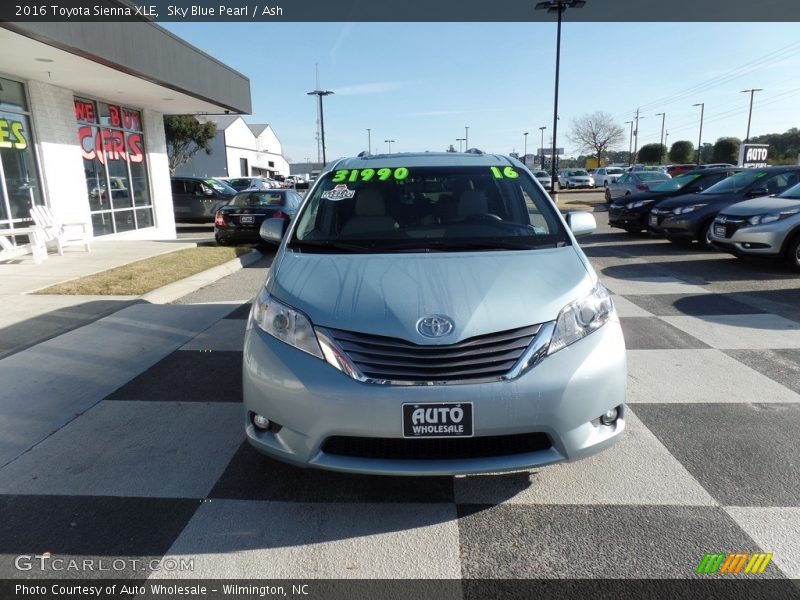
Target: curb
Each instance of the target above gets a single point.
(178, 289)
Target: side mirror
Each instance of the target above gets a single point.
(272, 230)
(581, 223)
(756, 192)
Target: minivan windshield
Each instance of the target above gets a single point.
(220, 186)
(423, 209)
(614, 171)
(792, 192)
(735, 183)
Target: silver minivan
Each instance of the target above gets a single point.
(431, 314)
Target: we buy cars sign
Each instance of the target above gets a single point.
(753, 155)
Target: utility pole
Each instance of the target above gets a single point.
(661, 143)
(466, 138)
(525, 151)
(630, 144)
(541, 148)
(459, 140)
(702, 106)
(369, 141)
(636, 135)
(750, 114)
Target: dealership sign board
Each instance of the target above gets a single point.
(753, 155)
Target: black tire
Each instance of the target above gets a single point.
(633, 229)
(704, 238)
(793, 253)
(221, 241)
(608, 196)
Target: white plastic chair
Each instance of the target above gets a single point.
(59, 233)
(35, 245)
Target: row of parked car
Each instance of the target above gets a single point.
(606, 176)
(746, 212)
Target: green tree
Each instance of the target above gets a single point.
(726, 150)
(784, 148)
(451, 149)
(186, 136)
(682, 151)
(651, 153)
(595, 133)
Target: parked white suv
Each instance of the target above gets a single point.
(606, 175)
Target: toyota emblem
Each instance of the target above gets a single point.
(435, 326)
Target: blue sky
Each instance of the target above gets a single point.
(421, 83)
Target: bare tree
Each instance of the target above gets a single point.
(595, 133)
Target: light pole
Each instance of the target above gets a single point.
(319, 94)
(702, 106)
(630, 144)
(390, 145)
(369, 140)
(459, 140)
(557, 6)
(666, 140)
(466, 137)
(541, 148)
(661, 143)
(525, 151)
(636, 135)
(750, 114)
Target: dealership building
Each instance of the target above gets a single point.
(81, 120)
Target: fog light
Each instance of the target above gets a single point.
(610, 417)
(261, 422)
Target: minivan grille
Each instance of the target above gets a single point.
(436, 448)
(481, 357)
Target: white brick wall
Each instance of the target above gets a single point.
(57, 143)
(158, 169)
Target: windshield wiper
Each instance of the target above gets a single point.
(330, 245)
(449, 245)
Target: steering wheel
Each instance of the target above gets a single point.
(483, 217)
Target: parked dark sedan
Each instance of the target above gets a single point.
(630, 212)
(239, 221)
(691, 216)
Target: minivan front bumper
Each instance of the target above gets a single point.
(308, 403)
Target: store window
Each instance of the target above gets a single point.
(117, 185)
(19, 175)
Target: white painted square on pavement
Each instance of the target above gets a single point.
(776, 530)
(691, 376)
(626, 308)
(225, 334)
(288, 540)
(121, 448)
(651, 285)
(754, 332)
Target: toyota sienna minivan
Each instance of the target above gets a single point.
(432, 314)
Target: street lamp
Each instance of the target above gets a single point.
(750, 114)
(369, 140)
(661, 143)
(557, 6)
(466, 137)
(630, 144)
(459, 140)
(390, 145)
(319, 94)
(702, 106)
(525, 151)
(541, 148)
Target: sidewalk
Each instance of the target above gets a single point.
(27, 319)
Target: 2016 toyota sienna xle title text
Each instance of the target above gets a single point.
(432, 314)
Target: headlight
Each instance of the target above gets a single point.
(580, 318)
(639, 204)
(284, 323)
(772, 217)
(682, 210)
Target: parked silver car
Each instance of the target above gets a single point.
(432, 314)
(767, 226)
(544, 178)
(633, 183)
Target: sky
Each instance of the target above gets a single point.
(421, 84)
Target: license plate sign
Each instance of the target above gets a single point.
(246, 219)
(653, 221)
(719, 230)
(437, 420)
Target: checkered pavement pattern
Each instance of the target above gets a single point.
(158, 467)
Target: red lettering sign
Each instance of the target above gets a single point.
(108, 144)
(114, 115)
(84, 111)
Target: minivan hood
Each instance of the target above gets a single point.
(386, 294)
(758, 206)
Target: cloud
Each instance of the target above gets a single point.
(438, 113)
(344, 33)
(377, 87)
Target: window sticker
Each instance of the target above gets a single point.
(340, 192)
(509, 172)
(384, 174)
